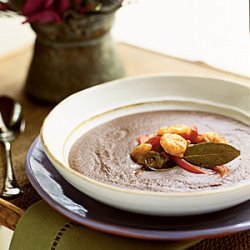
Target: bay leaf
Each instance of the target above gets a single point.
(209, 154)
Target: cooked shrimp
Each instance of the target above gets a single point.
(140, 152)
(212, 137)
(176, 129)
(174, 144)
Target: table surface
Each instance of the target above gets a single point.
(13, 70)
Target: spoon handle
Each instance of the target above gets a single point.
(11, 187)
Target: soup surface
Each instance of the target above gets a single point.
(103, 153)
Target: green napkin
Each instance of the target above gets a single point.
(42, 228)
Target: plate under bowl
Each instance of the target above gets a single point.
(79, 207)
(86, 109)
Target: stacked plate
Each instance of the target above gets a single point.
(134, 213)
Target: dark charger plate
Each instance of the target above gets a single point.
(86, 211)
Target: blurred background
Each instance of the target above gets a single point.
(215, 32)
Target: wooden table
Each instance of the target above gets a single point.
(13, 70)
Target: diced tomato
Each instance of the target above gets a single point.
(192, 135)
(222, 170)
(143, 139)
(151, 139)
(155, 142)
(187, 166)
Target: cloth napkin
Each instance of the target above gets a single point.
(42, 228)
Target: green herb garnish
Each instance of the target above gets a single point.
(154, 160)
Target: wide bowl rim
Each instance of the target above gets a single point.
(58, 164)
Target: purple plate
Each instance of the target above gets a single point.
(86, 211)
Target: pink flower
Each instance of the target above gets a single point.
(45, 11)
(4, 6)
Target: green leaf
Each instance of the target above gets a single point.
(209, 154)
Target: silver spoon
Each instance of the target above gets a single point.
(11, 124)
